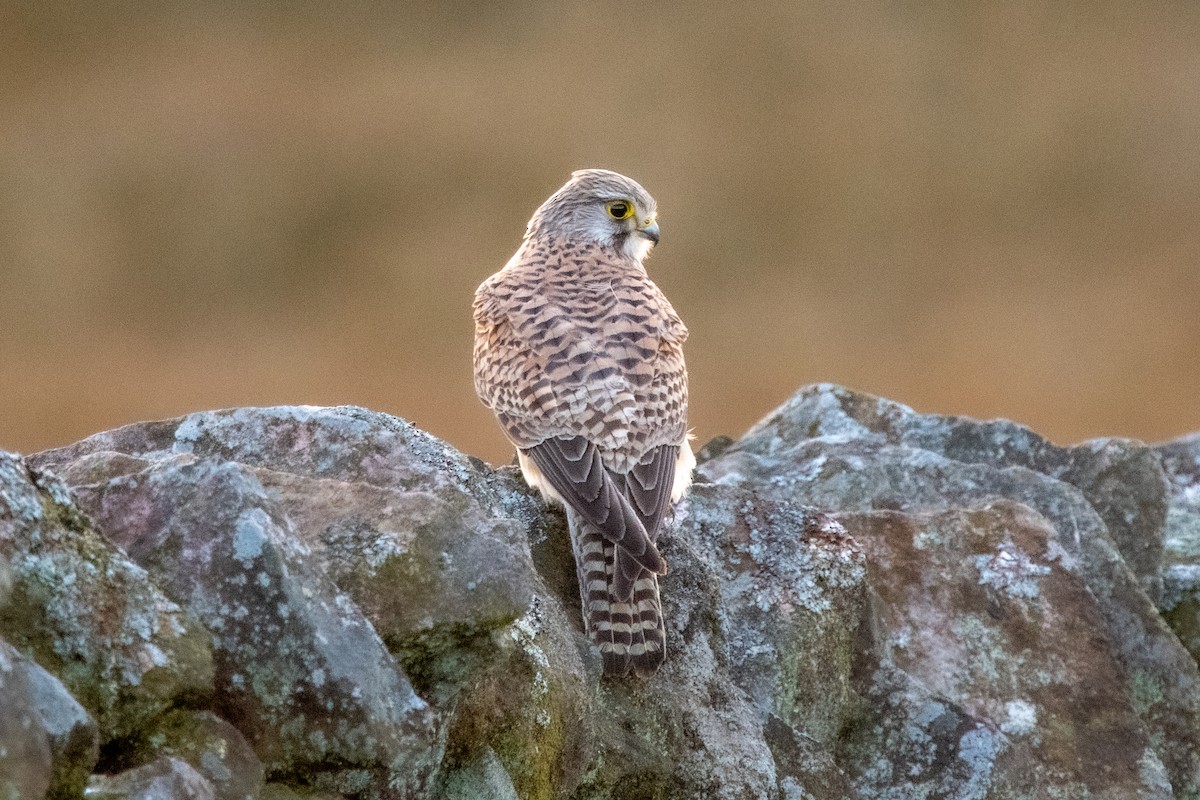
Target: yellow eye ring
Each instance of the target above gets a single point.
(619, 209)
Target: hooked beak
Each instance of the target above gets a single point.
(650, 231)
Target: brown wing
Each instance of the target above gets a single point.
(573, 467)
(648, 488)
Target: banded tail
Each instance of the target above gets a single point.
(628, 629)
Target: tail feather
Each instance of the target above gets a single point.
(647, 655)
(627, 628)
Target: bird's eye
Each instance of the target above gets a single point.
(619, 209)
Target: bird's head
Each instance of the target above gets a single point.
(601, 206)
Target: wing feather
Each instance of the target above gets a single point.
(572, 465)
(648, 489)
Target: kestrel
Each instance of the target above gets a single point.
(580, 356)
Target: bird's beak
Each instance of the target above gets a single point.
(650, 231)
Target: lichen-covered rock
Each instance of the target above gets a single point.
(1181, 575)
(761, 607)
(914, 744)
(529, 707)
(543, 715)
(281, 791)
(73, 735)
(429, 545)
(380, 506)
(88, 614)
(392, 619)
(216, 750)
(691, 731)
(402, 556)
(849, 466)
(1020, 692)
(26, 769)
(48, 742)
(805, 770)
(299, 670)
(792, 595)
(483, 777)
(1121, 478)
(167, 778)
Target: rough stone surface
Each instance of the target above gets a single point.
(376, 504)
(989, 616)
(435, 549)
(691, 731)
(167, 778)
(849, 466)
(26, 768)
(73, 736)
(216, 750)
(804, 769)
(969, 615)
(743, 618)
(1181, 574)
(1121, 478)
(88, 614)
(280, 791)
(299, 669)
(483, 777)
(792, 593)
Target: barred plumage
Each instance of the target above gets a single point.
(580, 356)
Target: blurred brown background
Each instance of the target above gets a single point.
(988, 209)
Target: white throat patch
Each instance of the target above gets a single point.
(636, 247)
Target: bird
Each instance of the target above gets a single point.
(580, 357)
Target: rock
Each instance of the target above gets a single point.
(401, 556)
(26, 769)
(88, 614)
(73, 736)
(299, 670)
(432, 548)
(391, 619)
(279, 791)
(1181, 576)
(216, 750)
(713, 448)
(6, 581)
(805, 769)
(544, 715)
(380, 507)
(483, 777)
(850, 466)
(1019, 689)
(913, 743)
(1121, 478)
(1181, 463)
(48, 743)
(691, 731)
(792, 595)
(530, 706)
(761, 606)
(167, 778)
